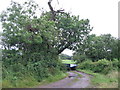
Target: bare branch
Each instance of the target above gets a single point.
(53, 12)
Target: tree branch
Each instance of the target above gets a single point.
(53, 12)
(66, 46)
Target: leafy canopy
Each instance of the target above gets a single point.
(98, 47)
(66, 32)
(32, 41)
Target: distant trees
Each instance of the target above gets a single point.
(97, 47)
(64, 57)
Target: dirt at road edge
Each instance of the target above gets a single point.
(73, 81)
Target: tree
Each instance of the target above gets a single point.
(79, 57)
(118, 48)
(71, 32)
(22, 28)
(33, 38)
(35, 41)
(64, 57)
(99, 47)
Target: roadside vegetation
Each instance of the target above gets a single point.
(99, 56)
(33, 40)
(105, 73)
(68, 61)
(103, 81)
(31, 82)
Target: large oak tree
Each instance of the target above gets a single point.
(24, 29)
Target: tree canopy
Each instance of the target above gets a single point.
(23, 29)
(32, 40)
(98, 47)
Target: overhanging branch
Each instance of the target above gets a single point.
(53, 12)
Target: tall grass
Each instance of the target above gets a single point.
(28, 81)
(68, 61)
(0, 74)
(54, 78)
(103, 81)
(24, 82)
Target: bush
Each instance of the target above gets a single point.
(85, 65)
(115, 63)
(80, 58)
(101, 66)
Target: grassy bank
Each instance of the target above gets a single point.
(30, 81)
(68, 61)
(52, 79)
(103, 81)
(25, 82)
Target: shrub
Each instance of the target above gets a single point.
(85, 65)
(115, 63)
(101, 66)
(80, 58)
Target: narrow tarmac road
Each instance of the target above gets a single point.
(72, 81)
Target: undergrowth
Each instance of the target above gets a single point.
(103, 81)
(30, 82)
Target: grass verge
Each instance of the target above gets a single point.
(31, 82)
(25, 82)
(103, 81)
(52, 79)
(68, 61)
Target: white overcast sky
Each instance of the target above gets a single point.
(103, 14)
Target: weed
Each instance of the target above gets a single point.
(30, 81)
(103, 81)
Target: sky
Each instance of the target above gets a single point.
(103, 14)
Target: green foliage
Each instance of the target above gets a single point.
(64, 56)
(68, 62)
(101, 66)
(79, 58)
(98, 47)
(115, 63)
(56, 77)
(25, 82)
(28, 81)
(103, 81)
(72, 31)
(31, 42)
(86, 65)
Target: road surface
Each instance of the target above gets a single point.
(72, 81)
